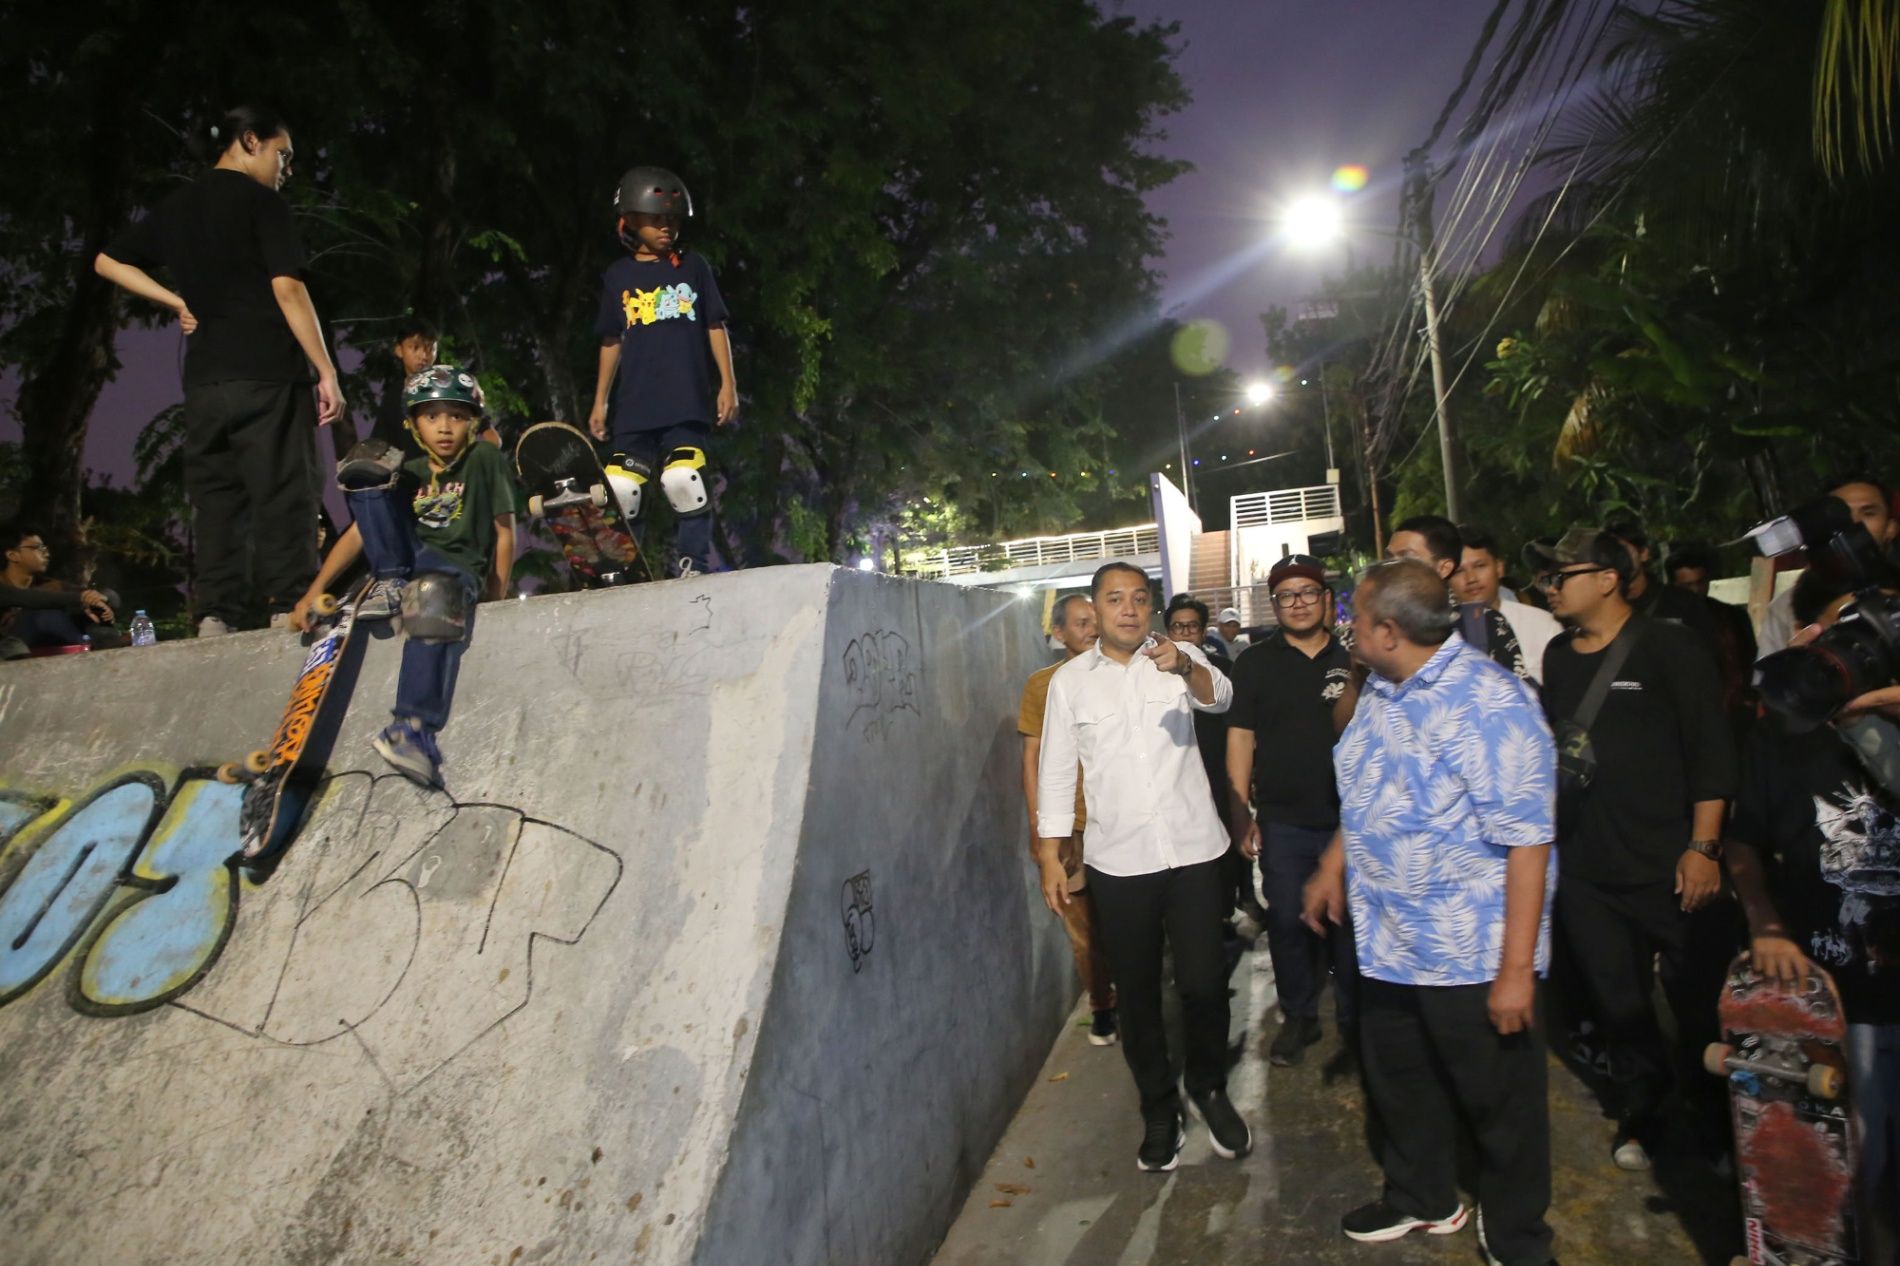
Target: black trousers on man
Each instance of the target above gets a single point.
(1617, 936)
(1133, 915)
(251, 475)
(1432, 1057)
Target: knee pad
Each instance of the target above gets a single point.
(371, 465)
(627, 478)
(435, 608)
(683, 481)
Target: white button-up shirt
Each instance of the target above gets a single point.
(1132, 728)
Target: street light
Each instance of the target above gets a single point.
(1314, 222)
(1259, 392)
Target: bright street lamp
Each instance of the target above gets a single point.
(1313, 222)
(1259, 392)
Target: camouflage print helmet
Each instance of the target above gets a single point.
(441, 382)
(652, 191)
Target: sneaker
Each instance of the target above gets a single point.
(1290, 1043)
(1163, 1136)
(409, 746)
(1226, 1131)
(1378, 1222)
(212, 626)
(382, 600)
(1628, 1152)
(1102, 1029)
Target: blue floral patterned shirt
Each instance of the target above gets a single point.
(1439, 776)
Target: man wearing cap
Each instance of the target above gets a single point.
(1479, 581)
(1280, 757)
(1639, 826)
(1229, 626)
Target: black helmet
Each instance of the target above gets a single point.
(652, 191)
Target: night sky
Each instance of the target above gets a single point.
(1284, 92)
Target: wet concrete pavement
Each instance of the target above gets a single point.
(1062, 1188)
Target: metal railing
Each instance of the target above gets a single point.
(1288, 505)
(1037, 551)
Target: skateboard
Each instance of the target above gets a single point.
(567, 488)
(280, 779)
(1788, 1098)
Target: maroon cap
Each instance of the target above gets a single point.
(1296, 565)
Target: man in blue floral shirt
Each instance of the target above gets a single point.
(1447, 809)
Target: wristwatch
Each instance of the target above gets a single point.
(1711, 849)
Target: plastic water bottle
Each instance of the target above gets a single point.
(143, 634)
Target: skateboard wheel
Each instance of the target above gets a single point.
(534, 505)
(1824, 1081)
(257, 762)
(1715, 1058)
(326, 604)
(230, 773)
(597, 493)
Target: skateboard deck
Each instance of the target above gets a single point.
(567, 489)
(1788, 1099)
(282, 777)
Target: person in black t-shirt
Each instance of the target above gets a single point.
(1815, 855)
(412, 348)
(666, 359)
(1186, 621)
(1280, 757)
(1639, 847)
(231, 248)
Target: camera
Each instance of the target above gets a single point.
(1808, 685)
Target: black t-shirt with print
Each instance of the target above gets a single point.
(1662, 743)
(223, 237)
(1830, 836)
(1286, 698)
(661, 311)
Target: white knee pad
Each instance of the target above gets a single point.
(627, 481)
(684, 483)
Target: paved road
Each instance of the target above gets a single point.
(1062, 1188)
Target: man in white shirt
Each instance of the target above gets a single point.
(1480, 579)
(1124, 709)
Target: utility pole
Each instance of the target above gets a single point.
(1180, 429)
(1419, 204)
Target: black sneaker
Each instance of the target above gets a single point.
(1161, 1142)
(1102, 1028)
(1290, 1043)
(1226, 1131)
(1378, 1222)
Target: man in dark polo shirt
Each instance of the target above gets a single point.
(1280, 756)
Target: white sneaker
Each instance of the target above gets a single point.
(212, 626)
(1629, 1155)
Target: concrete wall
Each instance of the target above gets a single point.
(721, 947)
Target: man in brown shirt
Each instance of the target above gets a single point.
(1073, 624)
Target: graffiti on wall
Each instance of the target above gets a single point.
(393, 897)
(881, 679)
(860, 925)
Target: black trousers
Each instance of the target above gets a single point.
(1432, 1057)
(251, 474)
(1133, 914)
(1288, 857)
(1616, 937)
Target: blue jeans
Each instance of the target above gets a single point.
(1288, 857)
(649, 449)
(426, 686)
(1873, 1070)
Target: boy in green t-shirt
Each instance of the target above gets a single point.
(429, 527)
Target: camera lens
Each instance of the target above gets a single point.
(1808, 684)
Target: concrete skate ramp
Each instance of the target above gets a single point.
(722, 947)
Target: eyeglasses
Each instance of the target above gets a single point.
(33, 549)
(1297, 597)
(1554, 580)
(1185, 626)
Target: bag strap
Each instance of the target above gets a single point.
(1613, 660)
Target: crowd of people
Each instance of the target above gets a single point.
(1490, 817)
(432, 499)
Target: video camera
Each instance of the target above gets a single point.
(1808, 685)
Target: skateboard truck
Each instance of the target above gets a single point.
(567, 494)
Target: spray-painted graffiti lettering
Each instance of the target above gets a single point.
(860, 926)
(882, 681)
(394, 894)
